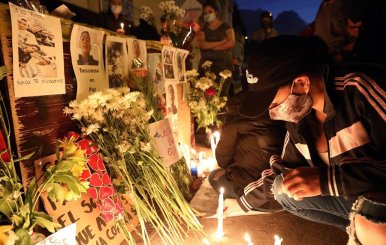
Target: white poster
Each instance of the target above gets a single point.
(38, 65)
(164, 140)
(116, 61)
(171, 98)
(155, 69)
(64, 236)
(169, 64)
(87, 60)
(181, 55)
(137, 54)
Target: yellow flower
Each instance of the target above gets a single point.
(7, 236)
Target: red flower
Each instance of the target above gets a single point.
(210, 92)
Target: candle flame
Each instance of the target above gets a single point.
(222, 190)
(247, 238)
(122, 25)
(278, 240)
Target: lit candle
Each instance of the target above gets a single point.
(220, 210)
(122, 25)
(214, 139)
(206, 242)
(278, 240)
(248, 239)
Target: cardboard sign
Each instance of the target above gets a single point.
(64, 236)
(162, 133)
(91, 228)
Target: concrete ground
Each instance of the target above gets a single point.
(262, 228)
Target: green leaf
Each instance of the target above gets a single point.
(31, 189)
(24, 237)
(24, 210)
(47, 223)
(17, 220)
(7, 207)
(24, 157)
(64, 166)
(56, 193)
(41, 214)
(72, 182)
(27, 222)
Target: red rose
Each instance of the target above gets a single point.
(210, 92)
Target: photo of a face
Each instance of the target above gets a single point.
(85, 56)
(136, 62)
(115, 65)
(180, 59)
(34, 53)
(137, 53)
(171, 103)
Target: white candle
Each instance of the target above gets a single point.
(206, 242)
(122, 25)
(214, 139)
(213, 145)
(278, 240)
(248, 239)
(220, 210)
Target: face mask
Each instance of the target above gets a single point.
(116, 9)
(293, 109)
(209, 17)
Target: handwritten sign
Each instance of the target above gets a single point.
(64, 236)
(38, 64)
(165, 144)
(91, 228)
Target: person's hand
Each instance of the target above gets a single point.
(120, 30)
(300, 183)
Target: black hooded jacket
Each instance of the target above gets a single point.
(247, 144)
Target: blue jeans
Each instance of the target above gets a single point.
(372, 211)
(328, 210)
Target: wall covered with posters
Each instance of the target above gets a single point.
(45, 73)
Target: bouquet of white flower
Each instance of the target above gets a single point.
(117, 121)
(146, 14)
(170, 7)
(204, 97)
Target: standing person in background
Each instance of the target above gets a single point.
(331, 26)
(216, 41)
(112, 20)
(366, 22)
(266, 30)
